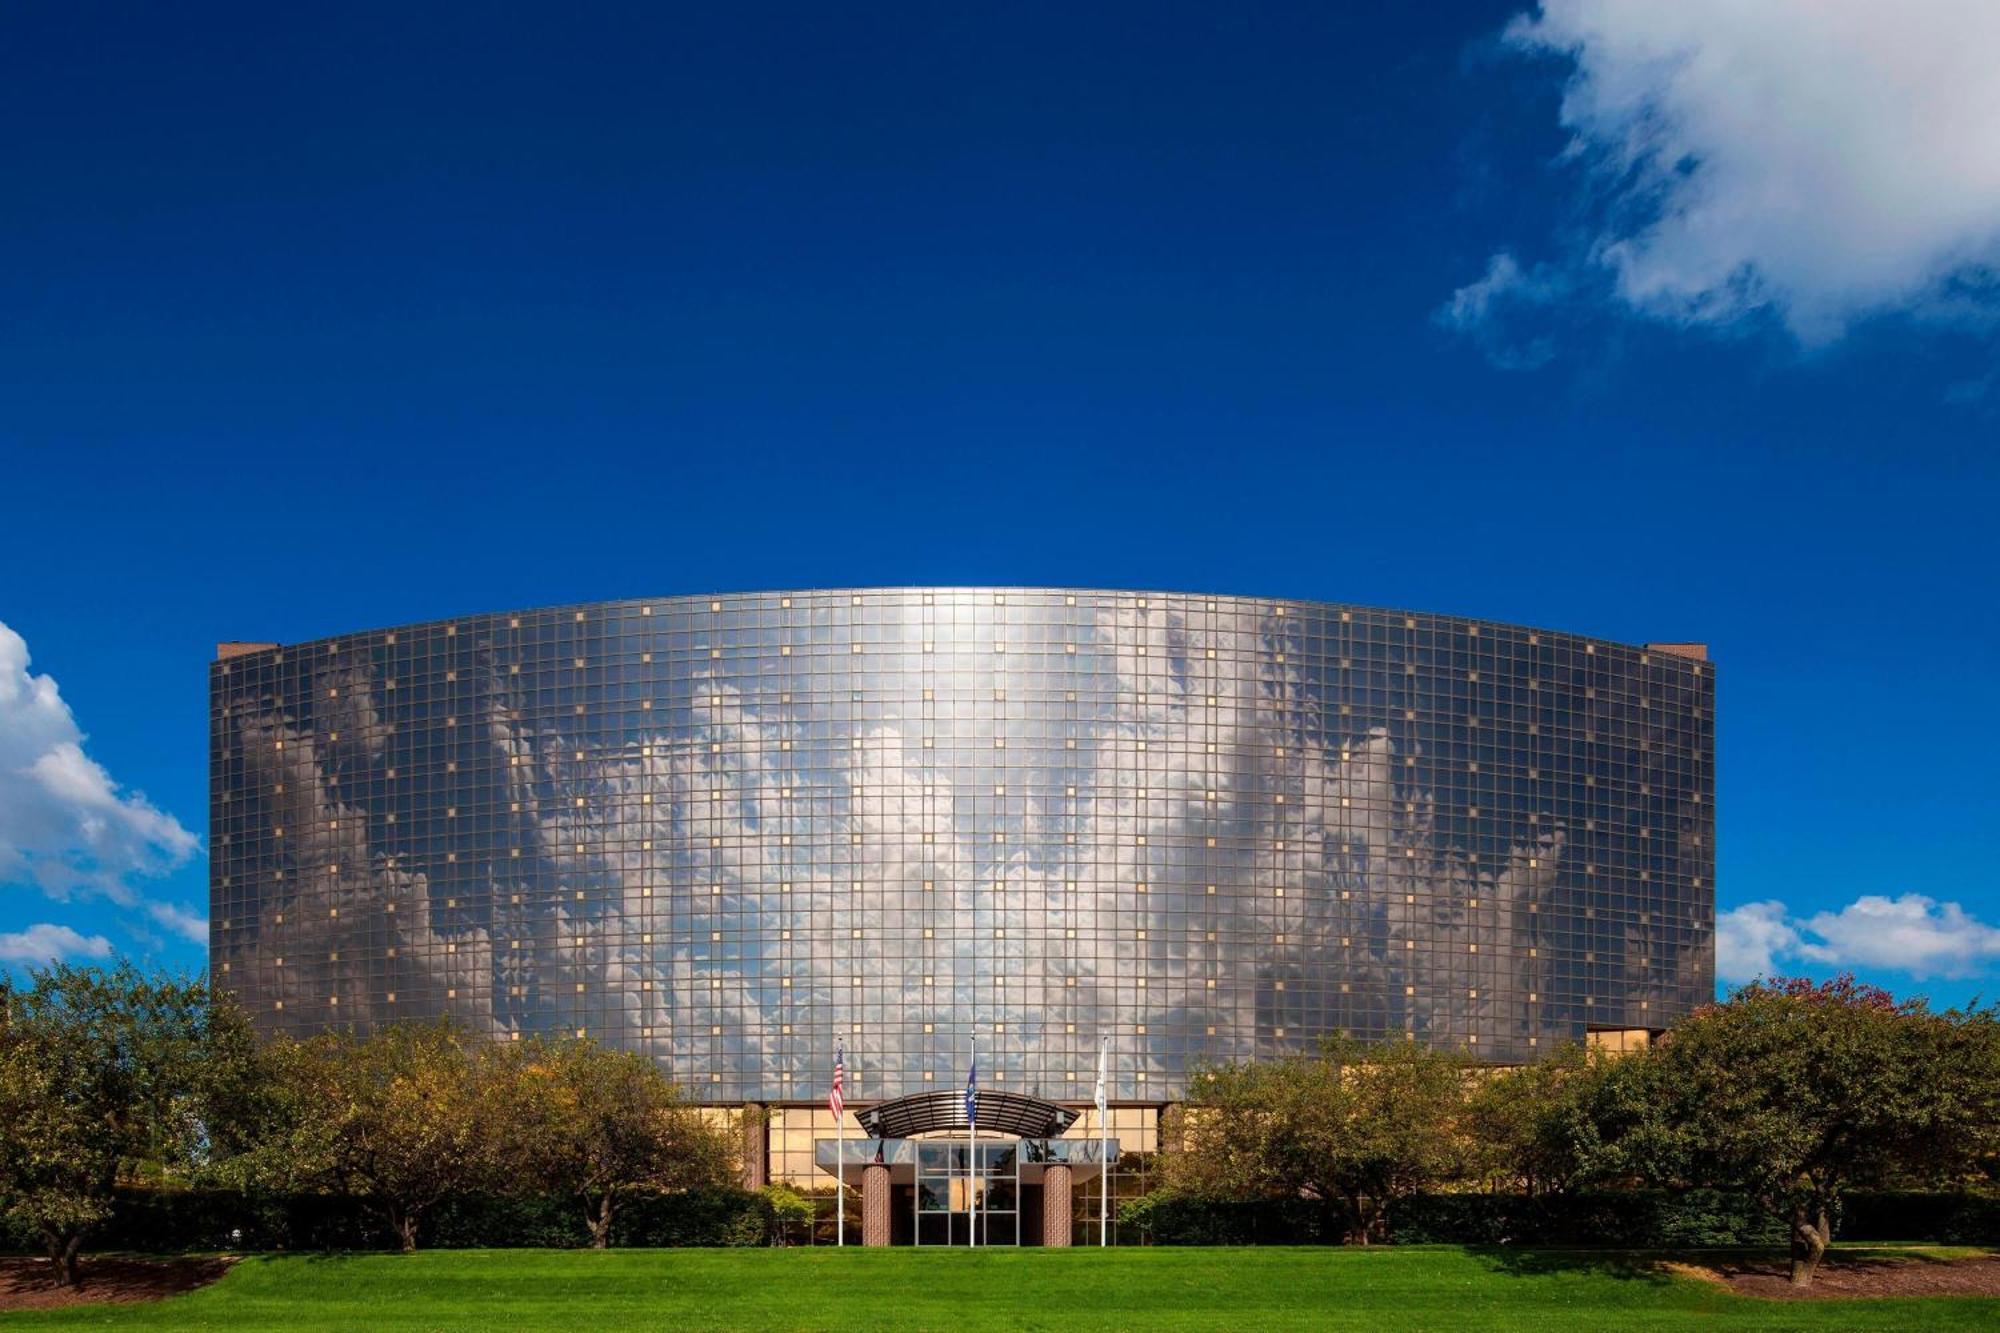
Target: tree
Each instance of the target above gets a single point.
(394, 1118)
(576, 1119)
(1795, 1092)
(791, 1211)
(1354, 1127)
(1969, 1100)
(1533, 1127)
(101, 1071)
(270, 1131)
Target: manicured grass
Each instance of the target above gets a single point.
(855, 1289)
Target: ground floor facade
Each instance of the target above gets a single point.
(1037, 1176)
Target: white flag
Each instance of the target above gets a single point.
(1103, 1052)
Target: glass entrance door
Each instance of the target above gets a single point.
(939, 1192)
(999, 1201)
(953, 1206)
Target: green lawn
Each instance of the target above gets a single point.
(857, 1290)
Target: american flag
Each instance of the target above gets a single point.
(834, 1101)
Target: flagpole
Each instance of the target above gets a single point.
(1103, 1146)
(840, 1157)
(969, 1155)
(972, 1057)
(983, 1201)
(971, 1119)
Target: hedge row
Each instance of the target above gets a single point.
(162, 1220)
(171, 1220)
(1944, 1219)
(1635, 1219)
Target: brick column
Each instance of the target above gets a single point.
(874, 1204)
(1058, 1219)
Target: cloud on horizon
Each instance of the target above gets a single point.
(1912, 933)
(67, 828)
(1819, 162)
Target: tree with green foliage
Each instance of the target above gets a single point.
(395, 1118)
(573, 1118)
(271, 1133)
(1576, 1118)
(791, 1212)
(1969, 1112)
(1354, 1127)
(1532, 1127)
(104, 1073)
(1796, 1092)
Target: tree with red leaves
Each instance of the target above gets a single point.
(1796, 1091)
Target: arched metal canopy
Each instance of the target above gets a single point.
(933, 1112)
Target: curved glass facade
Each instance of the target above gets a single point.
(726, 831)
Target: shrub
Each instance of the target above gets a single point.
(791, 1213)
(172, 1220)
(698, 1218)
(1639, 1219)
(1947, 1219)
(1176, 1217)
(166, 1220)
(1634, 1219)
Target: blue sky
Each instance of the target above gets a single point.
(1651, 322)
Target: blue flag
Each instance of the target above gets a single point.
(971, 1086)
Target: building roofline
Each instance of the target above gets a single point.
(1683, 650)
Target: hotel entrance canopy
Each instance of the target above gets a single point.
(938, 1112)
(918, 1151)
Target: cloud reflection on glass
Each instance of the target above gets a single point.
(723, 831)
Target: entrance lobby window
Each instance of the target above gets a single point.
(954, 1206)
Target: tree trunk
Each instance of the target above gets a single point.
(404, 1222)
(1357, 1220)
(1809, 1243)
(600, 1223)
(65, 1256)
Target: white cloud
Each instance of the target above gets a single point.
(1749, 939)
(1478, 310)
(1824, 160)
(1911, 933)
(188, 925)
(66, 827)
(45, 943)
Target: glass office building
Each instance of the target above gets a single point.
(729, 831)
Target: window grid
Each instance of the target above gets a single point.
(728, 832)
